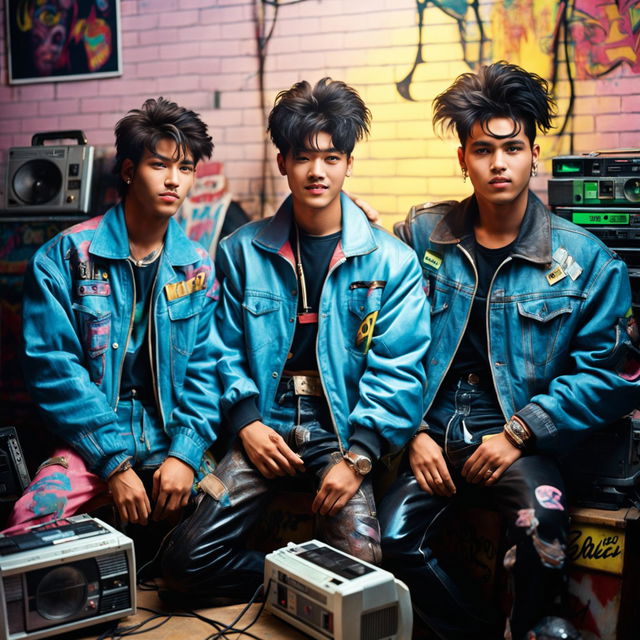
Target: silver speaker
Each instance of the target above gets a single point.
(49, 178)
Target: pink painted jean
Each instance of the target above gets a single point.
(62, 487)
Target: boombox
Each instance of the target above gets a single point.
(331, 595)
(48, 178)
(595, 191)
(594, 164)
(63, 576)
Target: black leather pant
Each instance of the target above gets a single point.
(529, 495)
(206, 554)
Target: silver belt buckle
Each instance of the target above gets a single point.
(306, 386)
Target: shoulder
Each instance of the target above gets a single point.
(579, 238)
(389, 244)
(422, 219)
(244, 234)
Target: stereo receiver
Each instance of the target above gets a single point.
(64, 575)
(329, 594)
(607, 223)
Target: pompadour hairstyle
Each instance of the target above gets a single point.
(301, 113)
(499, 90)
(143, 128)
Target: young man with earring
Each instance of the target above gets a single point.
(324, 326)
(118, 315)
(529, 353)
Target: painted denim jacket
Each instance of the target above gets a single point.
(78, 313)
(558, 319)
(373, 324)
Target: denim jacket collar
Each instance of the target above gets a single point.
(356, 239)
(534, 238)
(111, 240)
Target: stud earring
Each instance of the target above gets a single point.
(128, 180)
(464, 174)
(534, 170)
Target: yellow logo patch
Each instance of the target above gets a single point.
(432, 259)
(365, 332)
(556, 275)
(175, 290)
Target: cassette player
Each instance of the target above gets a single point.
(64, 575)
(596, 165)
(594, 191)
(329, 594)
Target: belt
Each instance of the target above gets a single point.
(306, 385)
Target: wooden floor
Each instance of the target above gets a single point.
(267, 627)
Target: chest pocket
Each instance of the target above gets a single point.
(183, 315)
(545, 325)
(364, 305)
(260, 317)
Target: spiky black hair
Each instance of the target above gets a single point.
(143, 128)
(301, 113)
(499, 90)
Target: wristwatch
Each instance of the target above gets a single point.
(517, 433)
(359, 463)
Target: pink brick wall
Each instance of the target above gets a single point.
(191, 51)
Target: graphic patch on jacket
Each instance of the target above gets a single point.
(565, 266)
(175, 290)
(365, 332)
(432, 259)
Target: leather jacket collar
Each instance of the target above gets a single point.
(534, 239)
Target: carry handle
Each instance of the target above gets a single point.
(75, 134)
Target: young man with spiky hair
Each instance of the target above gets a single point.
(118, 313)
(324, 326)
(527, 356)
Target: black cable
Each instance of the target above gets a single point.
(228, 629)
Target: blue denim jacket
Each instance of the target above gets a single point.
(373, 279)
(558, 344)
(78, 312)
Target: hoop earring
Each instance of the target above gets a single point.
(534, 170)
(465, 175)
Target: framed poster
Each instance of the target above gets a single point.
(55, 40)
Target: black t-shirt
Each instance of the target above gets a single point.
(473, 354)
(316, 253)
(136, 371)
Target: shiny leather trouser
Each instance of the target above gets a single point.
(530, 497)
(206, 556)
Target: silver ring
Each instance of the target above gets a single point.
(489, 472)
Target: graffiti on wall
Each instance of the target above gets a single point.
(562, 41)
(459, 11)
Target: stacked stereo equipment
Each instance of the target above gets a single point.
(600, 191)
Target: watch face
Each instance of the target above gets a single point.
(363, 465)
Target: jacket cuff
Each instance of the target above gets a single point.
(188, 449)
(366, 442)
(540, 423)
(111, 465)
(242, 413)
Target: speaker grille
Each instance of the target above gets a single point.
(379, 624)
(112, 565)
(14, 603)
(115, 601)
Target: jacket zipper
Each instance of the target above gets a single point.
(153, 350)
(324, 389)
(126, 344)
(493, 377)
(466, 322)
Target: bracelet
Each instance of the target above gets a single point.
(125, 466)
(517, 433)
